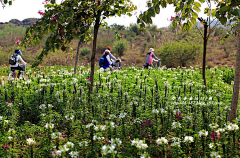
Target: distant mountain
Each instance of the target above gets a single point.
(25, 23)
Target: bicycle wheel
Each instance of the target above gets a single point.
(24, 76)
(11, 76)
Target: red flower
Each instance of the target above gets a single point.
(214, 136)
(88, 79)
(40, 68)
(172, 18)
(146, 123)
(75, 31)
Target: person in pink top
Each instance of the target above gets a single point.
(149, 59)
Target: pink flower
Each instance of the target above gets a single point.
(172, 18)
(146, 123)
(75, 32)
(68, 55)
(88, 79)
(96, 1)
(177, 14)
(54, 18)
(216, 39)
(53, 154)
(40, 67)
(135, 13)
(18, 41)
(122, 36)
(212, 74)
(0, 83)
(214, 136)
(41, 13)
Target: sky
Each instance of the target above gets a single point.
(22, 9)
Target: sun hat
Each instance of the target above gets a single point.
(151, 50)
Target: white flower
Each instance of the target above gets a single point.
(188, 139)
(220, 130)
(202, 133)
(232, 127)
(211, 145)
(42, 106)
(58, 153)
(103, 127)
(89, 125)
(74, 154)
(213, 126)
(215, 154)
(96, 128)
(49, 125)
(10, 138)
(112, 124)
(176, 125)
(1, 117)
(122, 115)
(161, 141)
(104, 150)
(30, 141)
(69, 117)
(155, 111)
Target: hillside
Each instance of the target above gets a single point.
(134, 44)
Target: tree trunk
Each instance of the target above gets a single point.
(204, 55)
(235, 96)
(76, 62)
(96, 27)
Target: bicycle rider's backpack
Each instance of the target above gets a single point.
(13, 60)
(102, 61)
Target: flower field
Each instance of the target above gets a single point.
(131, 113)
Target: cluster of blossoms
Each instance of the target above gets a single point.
(203, 133)
(49, 125)
(69, 117)
(176, 142)
(54, 18)
(176, 125)
(110, 149)
(146, 123)
(41, 13)
(140, 144)
(30, 141)
(57, 135)
(161, 141)
(232, 127)
(188, 139)
(178, 116)
(122, 115)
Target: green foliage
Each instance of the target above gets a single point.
(228, 75)
(134, 28)
(178, 53)
(10, 30)
(85, 50)
(117, 27)
(120, 47)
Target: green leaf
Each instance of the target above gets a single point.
(197, 4)
(224, 9)
(236, 12)
(195, 15)
(223, 20)
(10, 2)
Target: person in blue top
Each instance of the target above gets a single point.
(18, 54)
(107, 61)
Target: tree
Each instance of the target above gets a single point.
(61, 23)
(102, 11)
(186, 12)
(230, 10)
(4, 2)
(72, 19)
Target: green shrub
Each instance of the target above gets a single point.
(228, 75)
(120, 46)
(179, 53)
(134, 28)
(85, 50)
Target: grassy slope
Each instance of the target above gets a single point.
(137, 46)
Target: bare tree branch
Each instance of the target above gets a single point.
(199, 31)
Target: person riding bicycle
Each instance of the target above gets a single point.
(149, 59)
(116, 61)
(16, 66)
(105, 61)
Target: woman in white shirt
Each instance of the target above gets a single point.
(18, 54)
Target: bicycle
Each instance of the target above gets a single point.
(157, 64)
(12, 75)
